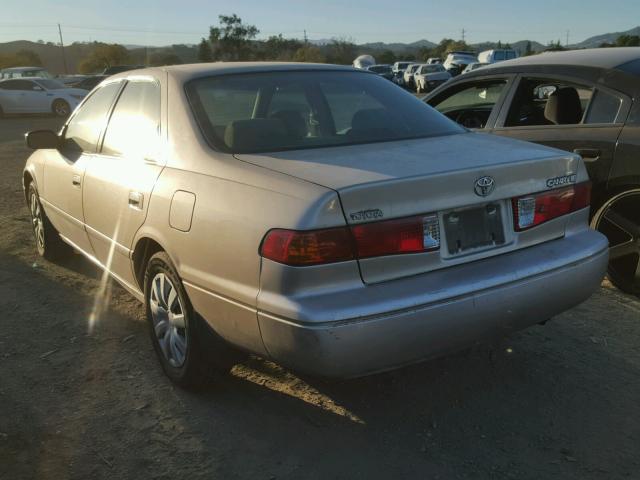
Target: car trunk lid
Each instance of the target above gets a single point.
(392, 180)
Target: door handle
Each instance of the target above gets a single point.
(136, 200)
(588, 154)
(75, 180)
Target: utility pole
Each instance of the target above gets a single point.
(305, 38)
(463, 32)
(64, 59)
(567, 44)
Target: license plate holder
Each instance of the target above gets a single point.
(474, 228)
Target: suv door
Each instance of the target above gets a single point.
(119, 180)
(61, 189)
(582, 118)
(473, 103)
(13, 93)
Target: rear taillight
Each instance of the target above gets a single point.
(299, 248)
(390, 237)
(532, 210)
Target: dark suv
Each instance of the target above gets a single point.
(581, 101)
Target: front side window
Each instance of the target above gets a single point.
(295, 110)
(548, 102)
(134, 126)
(83, 130)
(470, 104)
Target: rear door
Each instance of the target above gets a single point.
(592, 132)
(119, 179)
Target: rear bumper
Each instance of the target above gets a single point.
(436, 312)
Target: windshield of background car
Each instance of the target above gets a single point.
(271, 111)
(51, 84)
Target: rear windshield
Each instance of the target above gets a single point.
(266, 112)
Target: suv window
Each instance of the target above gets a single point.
(134, 126)
(498, 56)
(548, 102)
(470, 104)
(604, 108)
(84, 128)
(23, 85)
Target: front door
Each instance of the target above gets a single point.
(61, 189)
(120, 178)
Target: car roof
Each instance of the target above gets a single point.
(188, 72)
(605, 58)
(21, 69)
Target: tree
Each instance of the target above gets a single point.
(22, 58)
(309, 53)
(554, 47)
(159, 59)
(205, 54)
(528, 50)
(104, 56)
(628, 41)
(341, 51)
(232, 39)
(387, 57)
(279, 48)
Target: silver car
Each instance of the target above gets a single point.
(38, 95)
(311, 214)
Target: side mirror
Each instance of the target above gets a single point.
(42, 139)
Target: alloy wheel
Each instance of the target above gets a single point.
(37, 222)
(619, 220)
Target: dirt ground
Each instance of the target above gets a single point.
(555, 401)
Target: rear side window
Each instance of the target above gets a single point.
(134, 126)
(23, 85)
(548, 102)
(83, 130)
(274, 111)
(604, 108)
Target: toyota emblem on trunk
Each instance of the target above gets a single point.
(484, 186)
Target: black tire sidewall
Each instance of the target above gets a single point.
(625, 286)
(193, 367)
(57, 102)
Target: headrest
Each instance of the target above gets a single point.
(564, 107)
(293, 121)
(370, 119)
(255, 134)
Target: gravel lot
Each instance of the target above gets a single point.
(556, 401)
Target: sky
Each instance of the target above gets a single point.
(164, 22)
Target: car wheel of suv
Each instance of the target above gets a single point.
(619, 220)
(189, 351)
(48, 241)
(61, 108)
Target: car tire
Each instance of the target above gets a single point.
(60, 108)
(188, 349)
(619, 220)
(48, 242)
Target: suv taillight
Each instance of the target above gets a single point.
(537, 208)
(390, 237)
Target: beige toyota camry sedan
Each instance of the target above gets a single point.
(312, 214)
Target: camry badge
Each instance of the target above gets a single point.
(484, 186)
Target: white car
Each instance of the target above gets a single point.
(493, 56)
(24, 72)
(474, 66)
(429, 77)
(38, 95)
(457, 61)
